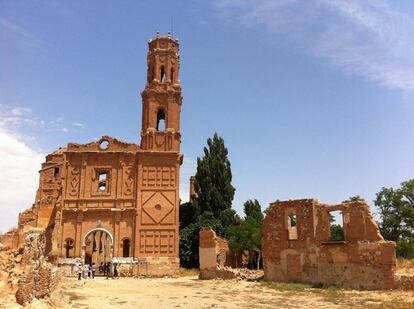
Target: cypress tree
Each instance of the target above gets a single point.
(213, 179)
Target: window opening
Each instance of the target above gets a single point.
(292, 226)
(56, 172)
(172, 75)
(162, 74)
(70, 244)
(125, 248)
(104, 145)
(103, 181)
(336, 223)
(161, 120)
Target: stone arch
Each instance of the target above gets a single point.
(98, 229)
(87, 256)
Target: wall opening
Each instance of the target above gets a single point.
(98, 247)
(336, 223)
(292, 226)
(161, 120)
(69, 248)
(125, 247)
(172, 75)
(162, 74)
(56, 172)
(103, 181)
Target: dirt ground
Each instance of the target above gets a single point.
(189, 292)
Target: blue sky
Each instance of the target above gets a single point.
(313, 98)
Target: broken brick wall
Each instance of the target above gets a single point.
(39, 278)
(10, 239)
(217, 260)
(208, 253)
(363, 261)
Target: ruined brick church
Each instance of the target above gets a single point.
(110, 200)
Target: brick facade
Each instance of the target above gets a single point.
(112, 200)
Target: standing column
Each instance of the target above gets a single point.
(79, 246)
(117, 232)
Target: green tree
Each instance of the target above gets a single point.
(253, 209)
(247, 233)
(213, 178)
(212, 206)
(337, 232)
(355, 198)
(189, 238)
(396, 210)
(188, 214)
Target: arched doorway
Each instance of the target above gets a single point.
(98, 248)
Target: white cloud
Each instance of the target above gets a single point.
(188, 169)
(19, 30)
(78, 124)
(373, 39)
(19, 166)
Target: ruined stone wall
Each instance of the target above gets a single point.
(363, 261)
(208, 251)
(10, 239)
(39, 278)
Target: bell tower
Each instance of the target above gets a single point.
(159, 158)
(161, 98)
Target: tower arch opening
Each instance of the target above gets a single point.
(162, 74)
(160, 120)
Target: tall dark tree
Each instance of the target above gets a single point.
(396, 210)
(212, 206)
(213, 178)
(253, 209)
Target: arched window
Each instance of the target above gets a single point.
(172, 75)
(162, 75)
(125, 247)
(161, 120)
(70, 247)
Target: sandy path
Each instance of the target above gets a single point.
(189, 292)
(185, 292)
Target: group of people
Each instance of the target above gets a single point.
(87, 271)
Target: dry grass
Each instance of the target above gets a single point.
(187, 272)
(347, 297)
(405, 266)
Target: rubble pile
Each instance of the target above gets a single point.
(25, 272)
(224, 272)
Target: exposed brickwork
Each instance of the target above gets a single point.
(122, 198)
(363, 261)
(39, 278)
(217, 260)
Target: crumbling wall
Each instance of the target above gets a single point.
(362, 261)
(216, 259)
(208, 251)
(39, 277)
(10, 240)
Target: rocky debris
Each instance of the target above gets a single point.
(238, 273)
(405, 282)
(39, 277)
(25, 271)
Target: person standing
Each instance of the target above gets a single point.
(93, 270)
(107, 269)
(85, 271)
(79, 270)
(115, 272)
